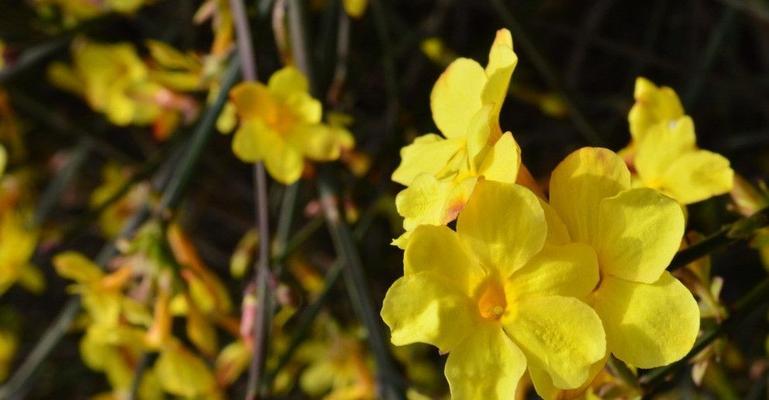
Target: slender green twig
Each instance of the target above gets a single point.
(187, 165)
(261, 322)
(621, 370)
(301, 236)
(136, 381)
(305, 320)
(53, 192)
(741, 229)
(548, 73)
(59, 124)
(348, 253)
(32, 57)
(705, 62)
(358, 290)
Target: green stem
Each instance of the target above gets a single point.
(741, 229)
(53, 191)
(308, 316)
(357, 288)
(712, 49)
(187, 165)
(548, 73)
(262, 318)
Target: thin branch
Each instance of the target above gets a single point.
(548, 73)
(741, 229)
(261, 322)
(358, 290)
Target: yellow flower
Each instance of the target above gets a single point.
(355, 8)
(338, 366)
(668, 159)
(653, 105)
(650, 318)
(17, 245)
(664, 150)
(113, 218)
(9, 342)
(441, 171)
(114, 80)
(100, 292)
(73, 11)
(498, 295)
(280, 124)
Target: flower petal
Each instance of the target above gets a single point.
(662, 145)
(652, 105)
(486, 365)
(639, 232)
(502, 163)
(580, 182)
(429, 201)
(647, 325)
(304, 107)
(287, 81)
(426, 308)
(560, 335)
(557, 233)
(503, 224)
(250, 98)
(284, 163)
(318, 142)
(439, 250)
(570, 270)
(697, 176)
(251, 139)
(254, 141)
(502, 62)
(427, 154)
(478, 136)
(456, 96)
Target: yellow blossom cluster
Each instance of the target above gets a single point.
(553, 285)
(280, 125)
(114, 80)
(74, 11)
(663, 149)
(130, 310)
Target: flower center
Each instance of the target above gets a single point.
(491, 299)
(279, 117)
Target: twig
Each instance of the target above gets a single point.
(308, 316)
(741, 229)
(548, 74)
(261, 322)
(348, 254)
(358, 289)
(187, 165)
(704, 63)
(32, 56)
(53, 191)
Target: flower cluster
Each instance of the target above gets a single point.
(130, 310)
(72, 12)
(280, 125)
(114, 80)
(664, 152)
(553, 285)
